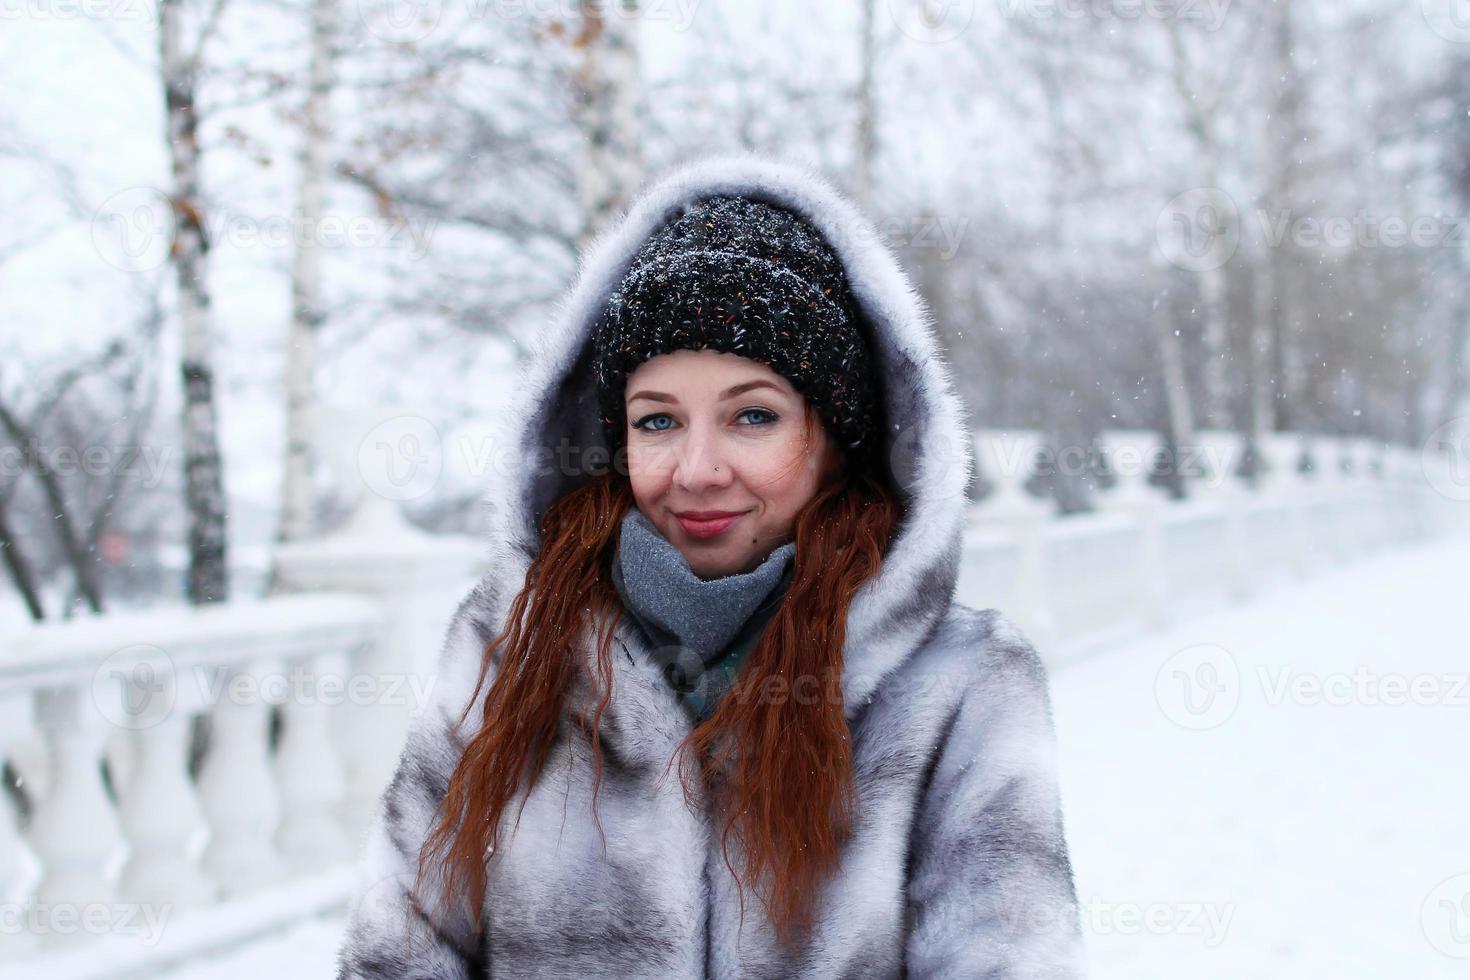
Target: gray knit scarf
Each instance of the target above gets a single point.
(693, 623)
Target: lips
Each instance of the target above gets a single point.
(707, 523)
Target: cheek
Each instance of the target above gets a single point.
(647, 474)
(783, 475)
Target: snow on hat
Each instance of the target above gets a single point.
(743, 277)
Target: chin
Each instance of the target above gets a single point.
(712, 566)
(706, 566)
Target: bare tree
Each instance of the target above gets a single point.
(1275, 301)
(81, 501)
(307, 313)
(180, 64)
(606, 93)
(1455, 162)
(54, 409)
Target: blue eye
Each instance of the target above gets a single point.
(642, 423)
(770, 416)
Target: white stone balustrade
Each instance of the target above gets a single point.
(416, 579)
(1006, 458)
(97, 715)
(1222, 489)
(1141, 558)
(1131, 454)
(129, 833)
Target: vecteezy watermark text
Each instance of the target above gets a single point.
(134, 230)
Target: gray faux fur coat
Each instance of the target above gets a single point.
(958, 866)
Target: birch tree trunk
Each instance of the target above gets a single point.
(1213, 285)
(1264, 291)
(1216, 409)
(203, 477)
(1457, 163)
(306, 303)
(1176, 384)
(1283, 135)
(607, 85)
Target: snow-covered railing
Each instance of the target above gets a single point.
(1142, 559)
(170, 763)
(192, 778)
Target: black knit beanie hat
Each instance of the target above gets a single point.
(750, 278)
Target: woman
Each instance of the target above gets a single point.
(729, 548)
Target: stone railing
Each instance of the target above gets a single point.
(192, 778)
(1141, 559)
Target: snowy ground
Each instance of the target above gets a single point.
(1275, 790)
(1324, 827)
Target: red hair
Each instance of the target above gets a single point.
(790, 801)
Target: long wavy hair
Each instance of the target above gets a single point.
(774, 757)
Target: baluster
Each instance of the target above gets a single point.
(74, 830)
(1006, 460)
(237, 788)
(1283, 487)
(1413, 471)
(1390, 491)
(158, 807)
(1131, 453)
(1342, 490)
(308, 768)
(1222, 451)
(1365, 485)
(15, 724)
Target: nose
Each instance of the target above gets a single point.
(701, 464)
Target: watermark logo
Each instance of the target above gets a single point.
(932, 21)
(1445, 459)
(146, 464)
(1210, 921)
(678, 15)
(684, 669)
(134, 230)
(1198, 687)
(302, 686)
(1362, 686)
(385, 907)
(1209, 14)
(401, 458)
(138, 686)
(1450, 19)
(924, 233)
(400, 21)
(144, 13)
(1445, 917)
(1198, 230)
(143, 921)
(1361, 229)
(1202, 228)
(917, 457)
(133, 688)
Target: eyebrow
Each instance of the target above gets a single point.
(740, 389)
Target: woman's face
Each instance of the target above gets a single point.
(711, 433)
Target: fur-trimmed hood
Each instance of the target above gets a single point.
(554, 415)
